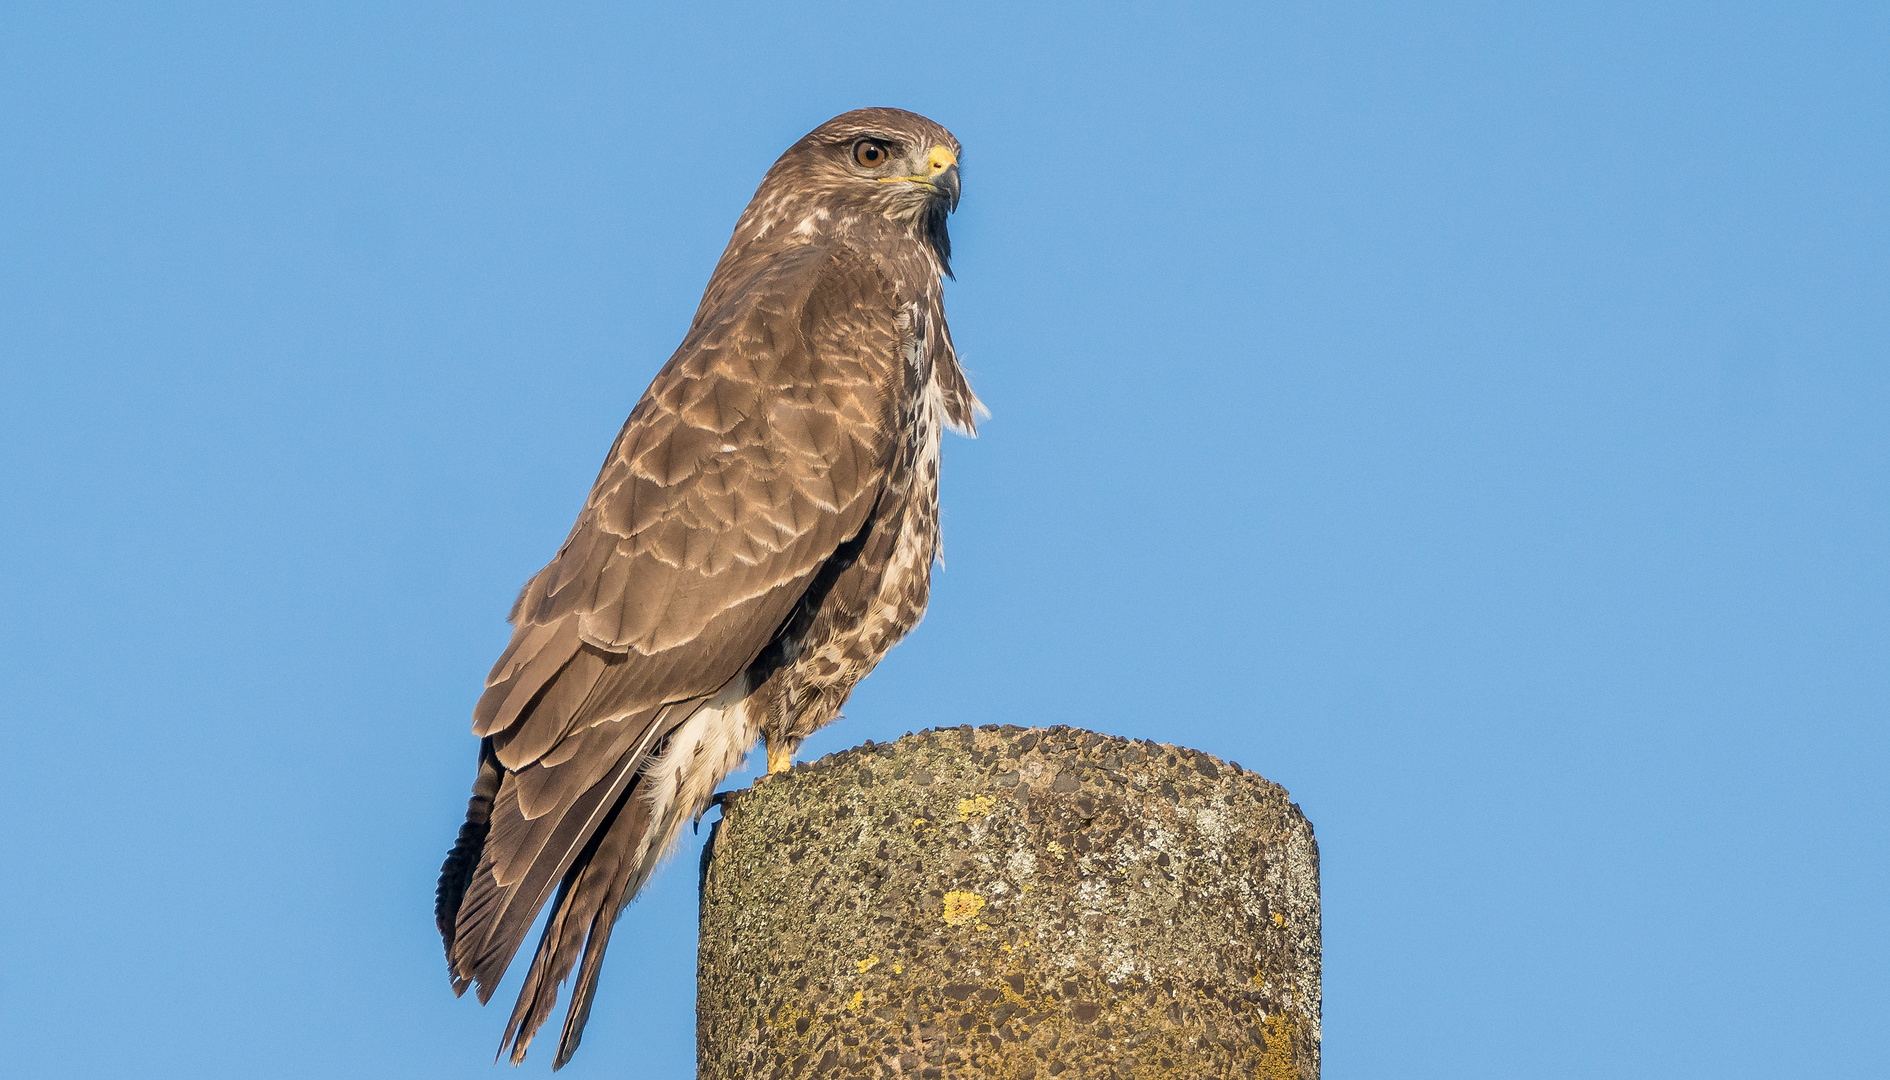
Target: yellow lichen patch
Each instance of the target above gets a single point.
(899, 969)
(785, 1019)
(961, 907)
(858, 1002)
(1279, 918)
(1277, 1062)
(867, 964)
(977, 806)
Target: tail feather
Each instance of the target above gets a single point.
(496, 915)
(605, 817)
(641, 860)
(592, 895)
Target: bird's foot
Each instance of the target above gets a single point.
(719, 799)
(781, 754)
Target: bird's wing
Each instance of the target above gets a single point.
(760, 448)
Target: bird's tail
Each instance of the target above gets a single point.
(593, 892)
(674, 786)
(597, 843)
(505, 865)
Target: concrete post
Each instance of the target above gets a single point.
(1002, 902)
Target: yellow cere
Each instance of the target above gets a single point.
(937, 161)
(1279, 919)
(962, 907)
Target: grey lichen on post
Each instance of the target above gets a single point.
(1002, 902)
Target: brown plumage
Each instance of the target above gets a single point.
(760, 535)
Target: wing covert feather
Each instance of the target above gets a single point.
(757, 451)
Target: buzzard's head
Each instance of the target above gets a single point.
(887, 163)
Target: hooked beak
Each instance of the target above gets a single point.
(946, 183)
(940, 175)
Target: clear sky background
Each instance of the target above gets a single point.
(1474, 417)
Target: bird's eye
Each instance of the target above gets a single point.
(870, 154)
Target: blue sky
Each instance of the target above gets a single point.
(1474, 417)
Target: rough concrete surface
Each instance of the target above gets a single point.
(1007, 902)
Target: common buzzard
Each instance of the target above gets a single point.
(760, 535)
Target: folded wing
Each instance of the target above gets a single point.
(759, 450)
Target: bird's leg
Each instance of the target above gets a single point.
(780, 752)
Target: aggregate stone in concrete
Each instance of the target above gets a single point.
(1009, 902)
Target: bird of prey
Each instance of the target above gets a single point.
(761, 533)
